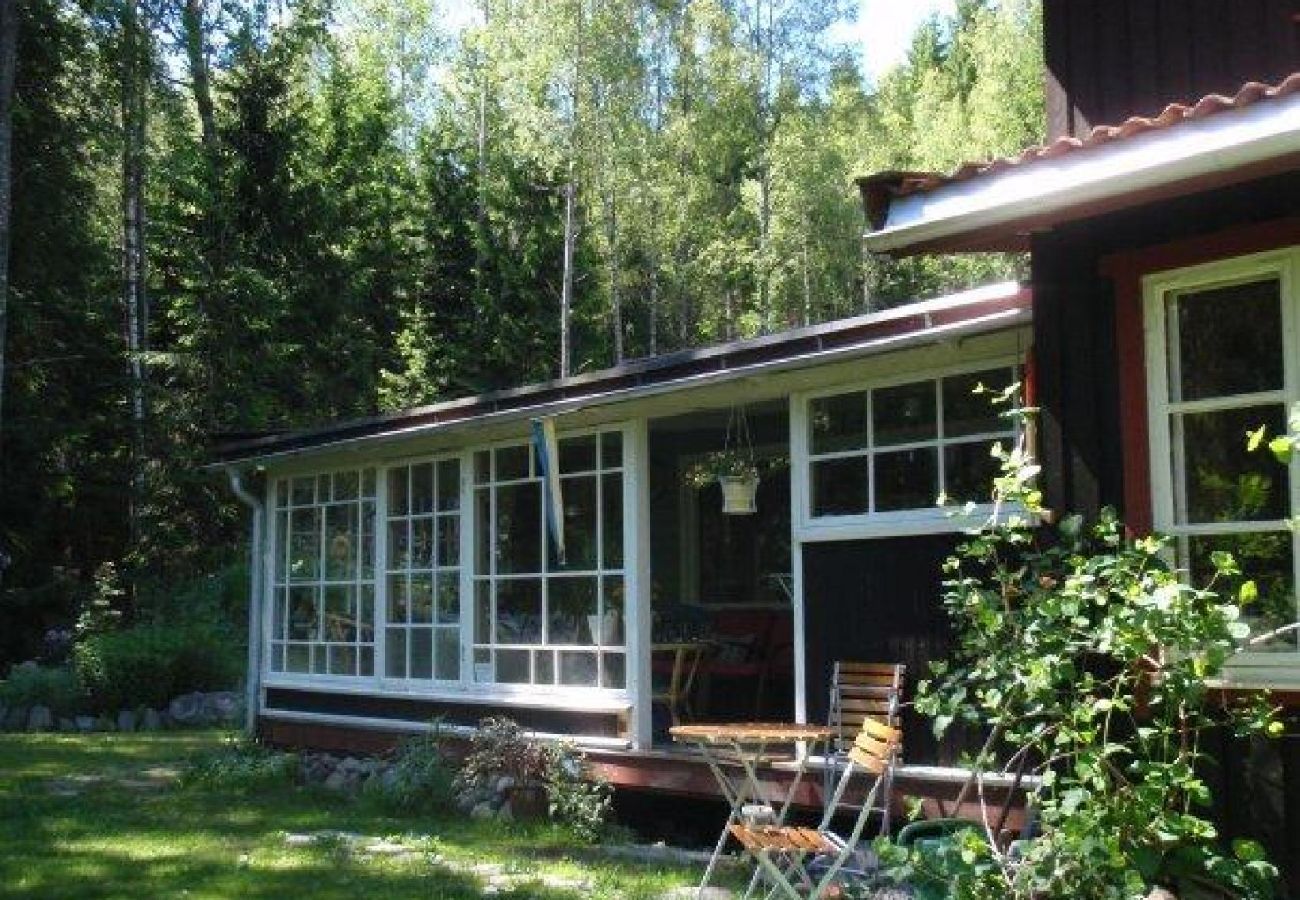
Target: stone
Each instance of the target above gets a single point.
(337, 781)
(4, 714)
(187, 709)
(221, 707)
(103, 723)
(383, 847)
(125, 720)
(67, 725)
(298, 840)
(85, 724)
(505, 784)
(708, 893)
(39, 718)
(17, 719)
(482, 811)
(150, 720)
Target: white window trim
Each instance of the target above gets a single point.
(1285, 265)
(895, 523)
(466, 690)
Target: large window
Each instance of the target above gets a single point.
(323, 593)
(1222, 358)
(897, 448)
(537, 620)
(422, 633)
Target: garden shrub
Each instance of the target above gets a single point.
(1085, 659)
(149, 665)
(576, 798)
(421, 775)
(56, 687)
(241, 766)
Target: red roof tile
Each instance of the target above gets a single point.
(901, 184)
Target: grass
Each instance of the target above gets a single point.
(97, 816)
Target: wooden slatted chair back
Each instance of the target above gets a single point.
(860, 690)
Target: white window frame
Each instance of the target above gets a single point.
(561, 697)
(545, 576)
(895, 523)
(1285, 266)
(271, 588)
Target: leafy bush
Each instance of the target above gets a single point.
(241, 766)
(54, 686)
(1086, 659)
(421, 775)
(575, 797)
(148, 665)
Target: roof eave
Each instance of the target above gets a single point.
(998, 210)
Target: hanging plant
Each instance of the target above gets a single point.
(721, 464)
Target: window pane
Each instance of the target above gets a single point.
(615, 675)
(422, 653)
(395, 653)
(421, 594)
(340, 542)
(340, 620)
(579, 525)
(422, 488)
(966, 412)
(399, 544)
(519, 521)
(448, 599)
(839, 422)
(577, 669)
(907, 480)
(611, 521)
(304, 491)
(398, 605)
(840, 486)
(343, 660)
(512, 462)
(345, 486)
(577, 454)
(422, 543)
(303, 619)
(611, 450)
(903, 414)
(968, 472)
(482, 467)
(1266, 559)
(366, 613)
(1223, 481)
(483, 531)
(447, 654)
(483, 612)
(299, 658)
(519, 611)
(366, 661)
(397, 488)
(612, 585)
(304, 547)
(571, 603)
(512, 666)
(367, 548)
(543, 667)
(1229, 341)
(449, 485)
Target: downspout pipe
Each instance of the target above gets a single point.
(253, 689)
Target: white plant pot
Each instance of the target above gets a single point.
(739, 494)
(604, 631)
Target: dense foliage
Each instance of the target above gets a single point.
(229, 217)
(1088, 660)
(149, 665)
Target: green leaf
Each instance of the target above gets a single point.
(1281, 449)
(1248, 851)
(1255, 438)
(1248, 593)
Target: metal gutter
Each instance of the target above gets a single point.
(1009, 308)
(1036, 189)
(253, 679)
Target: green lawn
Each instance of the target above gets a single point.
(85, 816)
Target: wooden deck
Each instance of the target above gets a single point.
(681, 771)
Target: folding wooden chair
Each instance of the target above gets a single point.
(860, 690)
(804, 862)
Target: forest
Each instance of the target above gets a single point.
(233, 216)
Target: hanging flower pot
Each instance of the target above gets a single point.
(739, 494)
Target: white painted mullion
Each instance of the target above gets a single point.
(636, 578)
(941, 468)
(1289, 289)
(800, 475)
(871, 452)
(381, 574)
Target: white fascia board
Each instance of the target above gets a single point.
(1265, 130)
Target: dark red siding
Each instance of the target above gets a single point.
(1111, 59)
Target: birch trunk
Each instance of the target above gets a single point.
(134, 298)
(8, 65)
(566, 288)
(615, 296)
